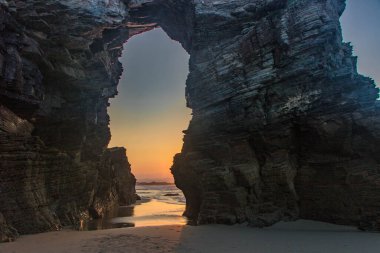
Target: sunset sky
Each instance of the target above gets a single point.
(149, 113)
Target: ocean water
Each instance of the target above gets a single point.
(159, 205)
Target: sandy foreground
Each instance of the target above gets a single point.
(292, 237)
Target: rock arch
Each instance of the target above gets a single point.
(283, 128)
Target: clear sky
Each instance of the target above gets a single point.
(361, 27)
(149, 114)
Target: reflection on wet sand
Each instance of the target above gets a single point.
(153, 213)
(105, 222)
(148, 212)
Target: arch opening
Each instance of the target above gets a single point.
(149, 113)
(148, 117)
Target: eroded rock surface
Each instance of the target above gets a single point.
(59, 65)
(283, 125)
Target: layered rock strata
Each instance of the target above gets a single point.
(59, 65)
(283, 125)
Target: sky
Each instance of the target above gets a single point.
(361, 26)
(149, 114)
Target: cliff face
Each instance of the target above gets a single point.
(283, 125)
(59, 66)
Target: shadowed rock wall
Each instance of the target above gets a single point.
(283, 125)
(59, 66)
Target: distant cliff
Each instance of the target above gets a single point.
(283, 125)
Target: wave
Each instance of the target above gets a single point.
(164, 193)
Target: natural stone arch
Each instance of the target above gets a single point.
(267, 79)
(281, 65)
(61, 68)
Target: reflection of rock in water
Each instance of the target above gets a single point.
(105, 222)
(160, 205)
(101, 224)
(171, 194)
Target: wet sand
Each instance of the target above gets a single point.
(159, 206)
(293, 237)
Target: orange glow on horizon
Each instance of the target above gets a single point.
(151, 148)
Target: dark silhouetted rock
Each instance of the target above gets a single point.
(171, 194)
(283, 125)
(7, 233)
(58, 68)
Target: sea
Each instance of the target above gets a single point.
(159, 205)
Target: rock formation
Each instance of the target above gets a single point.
(59, 65)
(283, 125)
